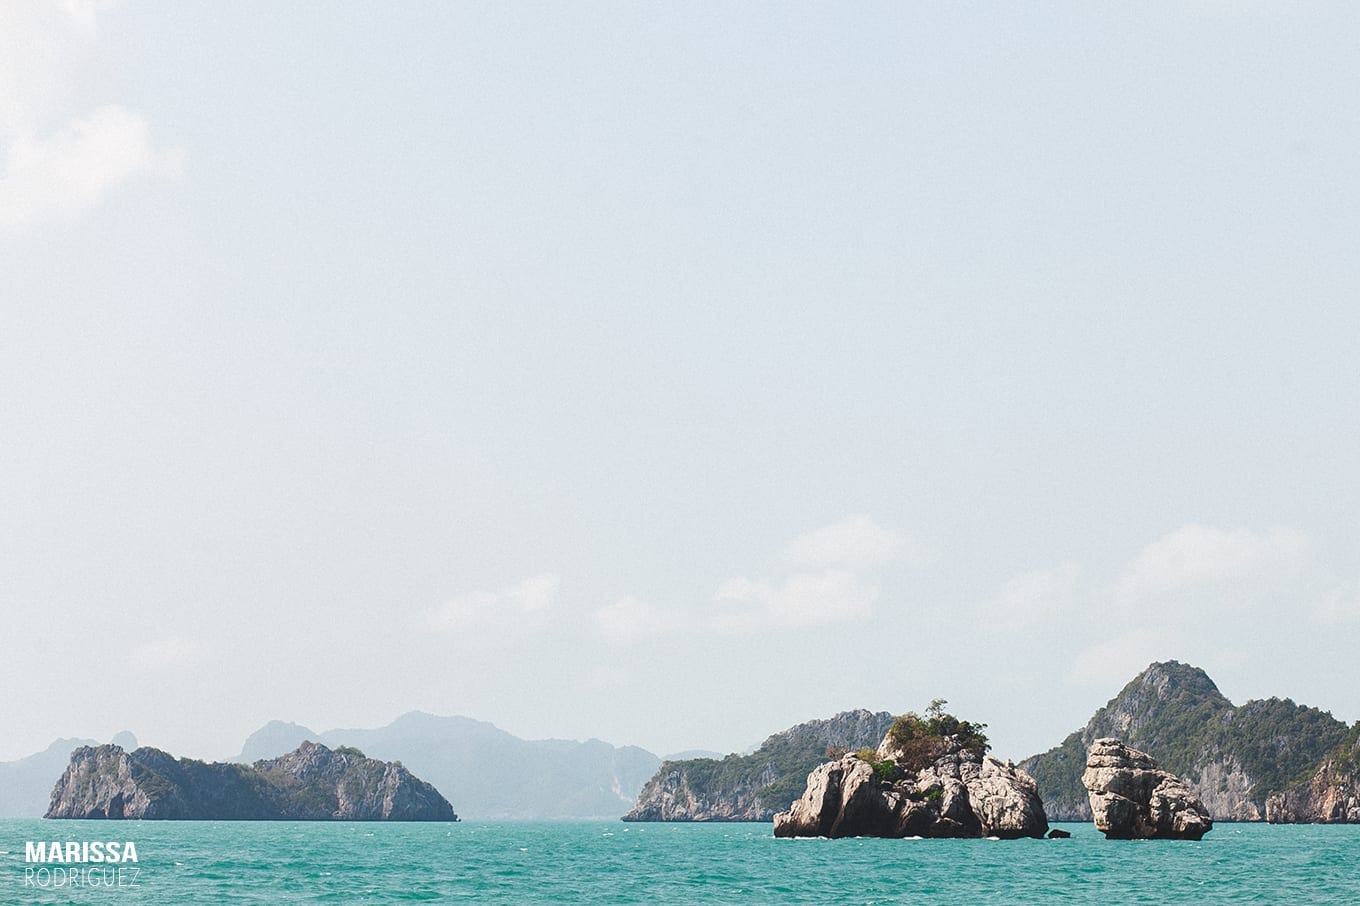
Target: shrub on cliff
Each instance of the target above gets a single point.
(921, 740)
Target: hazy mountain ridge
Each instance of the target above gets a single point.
(554, 778)
(754, 787)
(1234, 757)
(26, 784)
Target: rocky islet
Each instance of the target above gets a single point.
(1133, 799)
(957, 791)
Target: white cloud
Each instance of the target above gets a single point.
(68, 173)
(518, 607)
(535, 594)
(828, 580)
(629, 620)
(60, 154)
(85, 13)
(744, 605)
(1180, 587)
(1175, 592)
(1196, 556)
(802, 599)
(1034, 596)
(856, 542)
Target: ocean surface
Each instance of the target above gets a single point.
(613, 862)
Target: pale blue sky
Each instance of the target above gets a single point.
(671, 373)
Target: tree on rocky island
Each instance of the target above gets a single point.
(920, 740)
(930, 776)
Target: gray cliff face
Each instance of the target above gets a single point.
(1226, 790)
(670, 797)
(753, 787)
(99, 783)
(1330, 796)
(312, 783)
(1131, 799)
(958, 795)
(364, 789)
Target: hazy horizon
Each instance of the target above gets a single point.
(529, 735)
(671, 374)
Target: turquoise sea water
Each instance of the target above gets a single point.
(613, 862)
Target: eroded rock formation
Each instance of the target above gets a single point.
(959, 794)
(1132, 799)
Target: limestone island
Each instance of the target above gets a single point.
(1331, 795)
(931, 776)
(313, 783)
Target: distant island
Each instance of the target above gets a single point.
(754, 787)
(1234, 757)
(312, 783)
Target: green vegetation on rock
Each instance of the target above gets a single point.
(754, 787)
(916, 742)
(1176, 714)
(920, 740)
(1277, 742)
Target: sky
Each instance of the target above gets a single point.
(669, 373)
